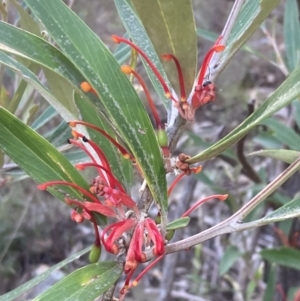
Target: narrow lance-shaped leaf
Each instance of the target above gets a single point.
(86, 283)
(36, 156)
(291, 27)
(289, 210)
(285, 94)
(31, 47)
(285, 155)
(283, 133)
(285, 256)
(63, 107)
(121, 102)
(171, 27)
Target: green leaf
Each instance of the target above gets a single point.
(289, 210)
(62, 90)
(17, 97)
(121, 168)
(252, 15)
(86, 283)
(283, 133)
(12, 295)
(265, 140)
(46, 116)
(171, 27)
(284, 95)
(35, 49)
(231, 254)
(291, 29)
(120, 100)
(30, 77)
(77, 156)
(59, 135)
(271, 283)
(37, 156)
(284, 256)
(296, 106)
(122, 52)
(287, 156)
(139, 36)
(26, 21)
(178, 223)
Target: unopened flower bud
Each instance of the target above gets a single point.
(95, 253)
(162, 138)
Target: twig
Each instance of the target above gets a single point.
(279, 60)
(236, 8)
(234, 223)
(247, 168)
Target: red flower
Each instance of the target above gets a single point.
(145, 234)
(204, 90)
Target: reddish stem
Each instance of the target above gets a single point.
(150, 266)
(180, 75)
(81, 205)
(221, 197)
(116, 183)
(119, 40)
(126, 69)
(78, 144)
(111, 139)
(44, 186)
(175, 182)
(206, 61)
(96, 148)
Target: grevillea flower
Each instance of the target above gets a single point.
(132, 230)
(203, 91)
(107, 196)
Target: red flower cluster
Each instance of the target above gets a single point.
(107, 197)
(204, 90)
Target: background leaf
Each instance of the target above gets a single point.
(284, 256)
(271, 284)
(63, 107)
(86, 283)
(231, 254)
(283, 133)
(285, 155)
(291, 27)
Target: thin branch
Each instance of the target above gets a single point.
(279, 60)
(236, 8)
(234, 223)
(247, 168)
